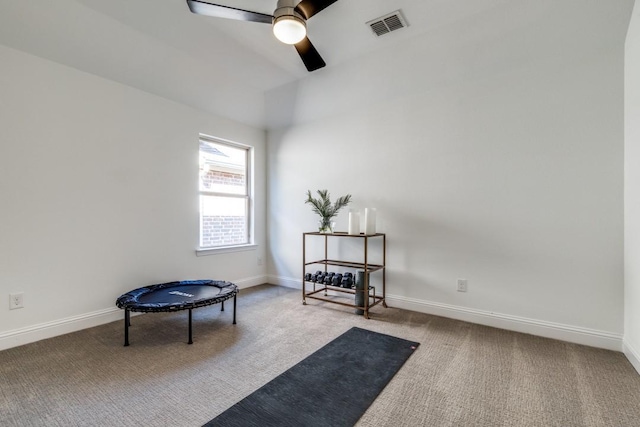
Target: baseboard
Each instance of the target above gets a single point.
(67, 325)
(569, 333)
(632, 355)
(252, 281)
(574, 334)
(287, 282)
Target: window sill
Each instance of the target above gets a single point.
(225, 249)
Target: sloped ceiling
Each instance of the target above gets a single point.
(226, 67)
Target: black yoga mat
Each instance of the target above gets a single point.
(332, 387)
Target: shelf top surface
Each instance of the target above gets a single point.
(341, 234)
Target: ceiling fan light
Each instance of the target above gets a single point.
(289, 29)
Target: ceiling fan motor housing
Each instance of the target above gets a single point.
(286, 8)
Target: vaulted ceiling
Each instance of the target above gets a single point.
(226, 67)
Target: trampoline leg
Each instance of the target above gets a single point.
(234, 309)
(126, 327)
(190, 330)
(222, 309)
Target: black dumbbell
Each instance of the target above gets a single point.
(336, 280)
(329, 277)
(347, 281)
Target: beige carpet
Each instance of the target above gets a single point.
(461, 375)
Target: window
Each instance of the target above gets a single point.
(225, 194)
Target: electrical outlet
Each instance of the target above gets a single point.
(259, 260)
(16, 301)
(462, 285)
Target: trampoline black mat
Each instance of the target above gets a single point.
(175, 296)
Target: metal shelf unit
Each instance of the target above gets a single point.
(370, 300)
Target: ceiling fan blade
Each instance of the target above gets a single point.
(310, 56)
(220, 11)
(308, 8)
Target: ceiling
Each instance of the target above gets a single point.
(221, 66)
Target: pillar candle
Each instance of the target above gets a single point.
(369, 221)
(354, 222)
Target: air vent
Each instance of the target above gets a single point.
(387, 23)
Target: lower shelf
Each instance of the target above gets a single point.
(371, 301)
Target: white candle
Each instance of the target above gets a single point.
(354, 222)
(369, 221)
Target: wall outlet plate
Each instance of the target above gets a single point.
(16, 300)
(462, 285)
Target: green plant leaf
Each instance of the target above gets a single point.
(322, 205)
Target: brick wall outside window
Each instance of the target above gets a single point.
(223, 230)
(218, 177)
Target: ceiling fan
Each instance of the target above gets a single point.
(289, 22)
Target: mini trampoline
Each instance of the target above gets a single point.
(176, 296)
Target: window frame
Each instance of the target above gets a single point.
(248, 197)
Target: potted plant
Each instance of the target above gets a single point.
(327, 210)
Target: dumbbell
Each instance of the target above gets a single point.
(336, 280)
(347, 280)
(314, 276)
(329, 277)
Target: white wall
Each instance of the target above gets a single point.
(498, 160)
(98, 195)
(632, 192)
